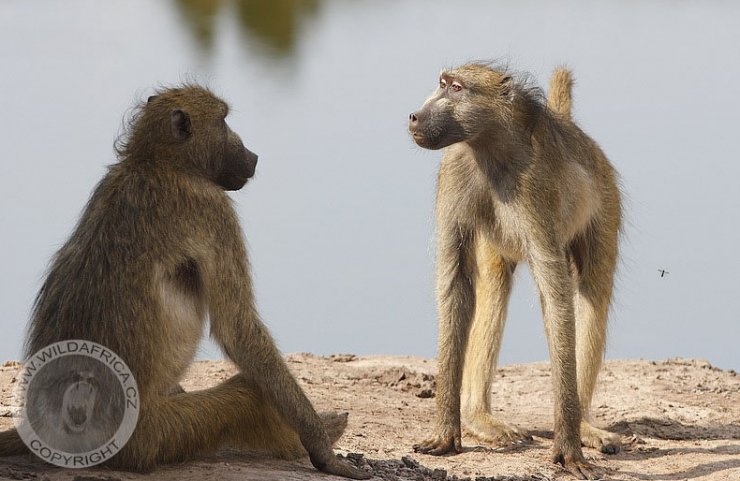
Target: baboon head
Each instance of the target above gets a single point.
(186, 126)
(469, 100)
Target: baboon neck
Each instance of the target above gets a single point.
(528, 111)
(502, 161)
(495, 149)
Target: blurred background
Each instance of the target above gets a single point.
(339, 217)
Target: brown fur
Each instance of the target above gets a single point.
(518, 182)
(159, 247)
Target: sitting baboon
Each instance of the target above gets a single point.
(157, 250)
(519, 181)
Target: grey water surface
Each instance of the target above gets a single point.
(339, 217)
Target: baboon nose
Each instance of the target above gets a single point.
(412, 117)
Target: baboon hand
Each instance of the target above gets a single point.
(577, 466)
(449, 441)
(341, 468)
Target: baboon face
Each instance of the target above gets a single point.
(467, 102)
(238, 165)
(198, 132)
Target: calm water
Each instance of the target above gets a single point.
(339, 217)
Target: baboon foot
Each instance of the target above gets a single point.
(604, 441)
(449, 441)
(488, 429)
(334, 423)
(341, 468)
(576, 464)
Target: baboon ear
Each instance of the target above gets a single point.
(151, 98)
(507, 87)
(180, 124)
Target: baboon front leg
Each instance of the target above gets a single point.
(492, 291)
(456, 300)
(236, 325)
(595, 255)
(550, 271)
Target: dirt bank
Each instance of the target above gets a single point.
(680, 420)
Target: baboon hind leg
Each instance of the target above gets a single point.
(11, 443)
(492, 290)
(595, 257)
(178, 427)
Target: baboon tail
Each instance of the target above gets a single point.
(11, 444)
(560, 95)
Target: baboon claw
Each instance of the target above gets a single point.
(338, 467)
(583, 472)
(439, 446)
(579, 469)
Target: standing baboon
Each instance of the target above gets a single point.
(157, 249)
(518, 182)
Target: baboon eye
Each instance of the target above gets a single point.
(456, 86)
(442, 83)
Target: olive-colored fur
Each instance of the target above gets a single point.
(519, 181)
(157, 250)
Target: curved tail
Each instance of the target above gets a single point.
(11, 444)
(560, 94)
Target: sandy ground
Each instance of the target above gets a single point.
(680, 420)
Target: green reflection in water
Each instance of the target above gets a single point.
(273, 23)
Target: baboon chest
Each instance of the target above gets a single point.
(505, 229)
(490, 207)
(499, 215)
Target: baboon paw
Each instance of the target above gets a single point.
(342, 468)
(442, 444)
(578, 466)
(604, 441)
(334, 424)
(488, 429)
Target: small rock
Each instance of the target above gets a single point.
(439, 474)
(425, 394)
(357, 458)
(343, 357)
(409, 462)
